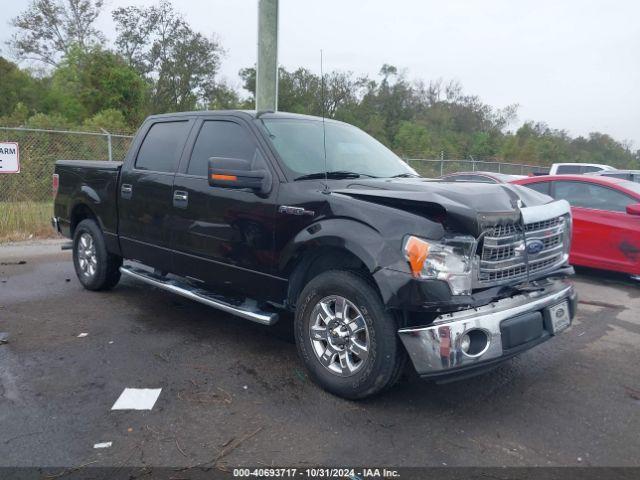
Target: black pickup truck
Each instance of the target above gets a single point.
(260, 213)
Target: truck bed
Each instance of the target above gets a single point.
(92, 182)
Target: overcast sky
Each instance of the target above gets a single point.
(574, 64)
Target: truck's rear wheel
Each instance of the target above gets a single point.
(346, 339)
(96, 268)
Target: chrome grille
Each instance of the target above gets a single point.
(502, 256)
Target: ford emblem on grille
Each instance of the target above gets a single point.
(535, 246)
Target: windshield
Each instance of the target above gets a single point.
(300, 145)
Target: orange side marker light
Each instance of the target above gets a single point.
(228, 178)
(416, 252)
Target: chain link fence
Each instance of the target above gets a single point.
(436, 168)
(39, 149)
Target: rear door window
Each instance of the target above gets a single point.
(589, 195)
(162, 146)
(221, 138)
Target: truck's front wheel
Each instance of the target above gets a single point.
(345, 337)
(96, 268)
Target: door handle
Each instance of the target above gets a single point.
(180, 199)
(179, 195)
(126, 190)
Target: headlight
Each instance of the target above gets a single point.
(567, 222)
(449, 259)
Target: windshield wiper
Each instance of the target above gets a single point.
(335, 174)
(406, 175)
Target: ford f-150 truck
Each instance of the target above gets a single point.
(259, 213)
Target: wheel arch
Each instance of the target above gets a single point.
(337, 244)
(79, 212)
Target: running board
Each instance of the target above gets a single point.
(247, 308)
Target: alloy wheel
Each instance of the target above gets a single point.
(339, 335)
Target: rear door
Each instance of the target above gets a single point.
(146, 192)
(604, 235)
(225, 237)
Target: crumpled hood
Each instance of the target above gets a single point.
(473, 205)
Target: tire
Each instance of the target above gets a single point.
(334, 357)
(96, 268)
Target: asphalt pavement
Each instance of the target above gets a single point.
(235, 393)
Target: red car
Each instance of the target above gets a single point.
(606, 219)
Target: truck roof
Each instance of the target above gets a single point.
(248, 113)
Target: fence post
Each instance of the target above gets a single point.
(108, 144)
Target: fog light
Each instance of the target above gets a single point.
(465, 343)
(474, 343)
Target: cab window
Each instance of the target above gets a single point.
(162, 146)
(221, 138)
(564, 169)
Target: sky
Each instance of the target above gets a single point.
(574, 64)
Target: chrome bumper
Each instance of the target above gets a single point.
(436, 351)
(55, 224)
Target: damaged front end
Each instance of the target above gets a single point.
(470, 341)
(489, 284)
(515, 272)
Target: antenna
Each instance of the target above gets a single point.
(324, 129)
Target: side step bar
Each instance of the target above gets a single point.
(246, 309)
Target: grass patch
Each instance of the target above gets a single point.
(25, 220)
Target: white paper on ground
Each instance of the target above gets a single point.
(137, 399)
(102, 445)
(82, 335)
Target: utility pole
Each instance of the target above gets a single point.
(267, 67)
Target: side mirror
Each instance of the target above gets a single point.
(633, 209)
(237, 173)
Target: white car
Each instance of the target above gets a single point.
(577, 168)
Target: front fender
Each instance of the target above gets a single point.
(360, 239)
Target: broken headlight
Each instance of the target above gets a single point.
(449, 259)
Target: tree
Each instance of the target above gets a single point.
(19, 87)
(301, 91)
(86, 83)
(223, 97)
(178, 62)
(50, 29)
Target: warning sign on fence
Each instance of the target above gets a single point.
(9, 157)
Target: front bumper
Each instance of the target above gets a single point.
(436, 349)
(55, 224)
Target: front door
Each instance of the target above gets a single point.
(146, 194)
(225, 237)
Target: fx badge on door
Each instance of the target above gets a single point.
(295, 211)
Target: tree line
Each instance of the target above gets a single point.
(159, 63)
